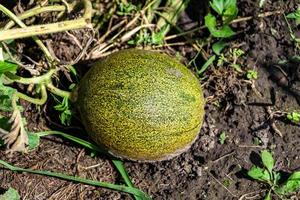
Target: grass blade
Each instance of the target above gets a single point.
(207, 64)
(118, 164)
(122, 170)
(121, 188)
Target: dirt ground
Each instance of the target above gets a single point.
(244, 110)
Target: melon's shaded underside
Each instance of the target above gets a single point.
(141, 105)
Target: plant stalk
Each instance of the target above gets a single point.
(36, 101)
(35, 11)
(21, 24)
(58, 92)
(34, 80)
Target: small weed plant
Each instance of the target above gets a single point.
(227, 10)
(273, 179)
(293, 116)
(296, 17)
(222, 137)
(252, 74)
(231, 58)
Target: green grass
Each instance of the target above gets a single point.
(34, 141)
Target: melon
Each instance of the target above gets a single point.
(141, 105)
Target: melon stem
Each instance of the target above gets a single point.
(58, 92)
(37, 101)
(33, 80)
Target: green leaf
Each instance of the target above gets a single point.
(225, 8)
(157, 38)
(10, 194)
(33, 141)
(126, 8)
(229, 3)
(294, 15)
(123, 172)
(218, 6)
(72, 69)
(210, 22)
(230, 14)
(251, 74)
(72, 86)
(291, 185)
(223, 32)
(259, 174)
(218, 47)
(222, 138)
(267, 160)
(6, 66)
(6, 94)
(293, 116)
(268, 196)
(276, 177)
(206, 64)
(237, 67)
(4, 123)
(65, 111)
(236, 52)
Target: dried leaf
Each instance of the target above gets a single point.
(16, 139)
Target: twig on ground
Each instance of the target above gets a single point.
(221, 184)
(244, 196)
(272, 121)
(35, 11)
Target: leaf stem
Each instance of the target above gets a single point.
(58, 92)
(44, 79)
(36, 101)
(34, 80)
(35, 11)
(74, 139)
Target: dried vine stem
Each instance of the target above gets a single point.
(83, 22)
(21, 24)
(16, 139)
(35, 11)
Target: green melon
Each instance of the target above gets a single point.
(141, 105)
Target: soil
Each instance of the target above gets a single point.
(247, 111)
